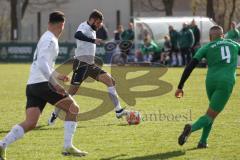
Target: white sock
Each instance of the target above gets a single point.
(16, 133)
(69, 130)
(114, 97)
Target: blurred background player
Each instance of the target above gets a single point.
(233, 33)
(197, 36)
(84, 65)
(221, 55)
(128, 34)
(186, 41)
(175, 55)
(150, 51)
(39, 93)
(165, 55)
(117, 33)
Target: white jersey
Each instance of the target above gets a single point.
(85, 51)
(44, 58)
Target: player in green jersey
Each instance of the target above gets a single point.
(221, 55)
(234, 33)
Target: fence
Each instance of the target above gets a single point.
(23, 52)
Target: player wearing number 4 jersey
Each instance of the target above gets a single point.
(221, 55)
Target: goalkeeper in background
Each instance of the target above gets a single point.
(221, 55)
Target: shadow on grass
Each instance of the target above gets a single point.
(123, 124)
(4, 131)
(159, 156)
(195, 148)
(114, 157)
(103, 125)
(46, 127)
(38, 128)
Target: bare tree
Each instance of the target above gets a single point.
(14, 19)
(226, 11)
(210, 10)
(232, 13)
(156, 5)
(23, 7)
(198, 5)
(4, 22)
(222, 11)
(168, 6)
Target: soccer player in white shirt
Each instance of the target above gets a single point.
(84, 63)
(38, 91)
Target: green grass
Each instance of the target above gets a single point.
(107, 138)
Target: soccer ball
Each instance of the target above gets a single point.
(133, 117)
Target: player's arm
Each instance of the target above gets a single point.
(186, 73)
(48, 72)
(82, 37)
(188, 70)
(44, 67)
(238, 49)
(45, 50)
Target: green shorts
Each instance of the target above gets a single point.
(218, 94)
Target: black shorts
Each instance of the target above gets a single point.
(39, 94)
(82, 70)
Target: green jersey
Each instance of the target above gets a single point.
(233, 34)
(151, 48)
(222, 57)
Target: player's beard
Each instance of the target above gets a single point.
(94, 27)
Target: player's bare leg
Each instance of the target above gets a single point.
(72, 91)
(18, 131)
(110, 83)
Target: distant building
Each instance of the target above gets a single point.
(78, 10)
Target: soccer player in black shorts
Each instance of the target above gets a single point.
(39, 92)
(84, 65)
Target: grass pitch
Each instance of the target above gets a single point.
(107, 138)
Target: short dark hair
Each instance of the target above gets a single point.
(96, 14)
(56, 17)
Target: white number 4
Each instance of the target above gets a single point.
(225, 52)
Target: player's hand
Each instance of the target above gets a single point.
(63, 78)
(98, 41)
(179, 93)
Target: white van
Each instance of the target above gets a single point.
(158, 27)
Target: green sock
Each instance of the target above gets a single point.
(201, 122)
(205, 133)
